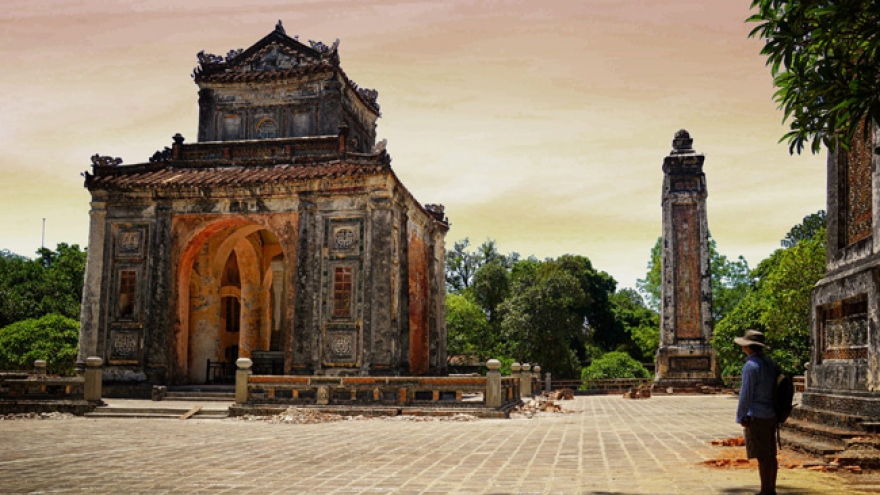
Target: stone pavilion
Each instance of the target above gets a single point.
(282, 235)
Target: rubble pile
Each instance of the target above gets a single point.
(543, 403)
(303, 416)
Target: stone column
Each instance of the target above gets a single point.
(241, 379)
(685, 357)
(538, 377)
(40, 367)
(93, 378)
(548, 384)
(525, 380)
(514, 373)
(90, 319)
(493, 383)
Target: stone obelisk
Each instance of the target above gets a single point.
(685, 357)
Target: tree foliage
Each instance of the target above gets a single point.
(52, 337)
(807, 229)
(778, 303)
(824, 56)
(467, 331)
(462, 263)
(614, 365)
(635, 319)
(51, 283)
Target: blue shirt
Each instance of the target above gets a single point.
(758, 385)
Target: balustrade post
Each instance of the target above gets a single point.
(40, 367)
(493, 383)
(241, 379)
(525, 380)
(548, 386)
(93, 380)
(538, 383)
(514, 373)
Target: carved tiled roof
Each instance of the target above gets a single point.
(277, 57)
(169, 176)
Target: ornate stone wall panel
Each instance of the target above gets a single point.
(686, 228)
(856, 168)
(342, 288)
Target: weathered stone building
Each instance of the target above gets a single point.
(282, 235)
(685, 357)
(844, 384)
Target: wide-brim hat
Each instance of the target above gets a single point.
(752, 337)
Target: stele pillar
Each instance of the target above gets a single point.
(685, 357)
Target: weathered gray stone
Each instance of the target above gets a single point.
(685, 357)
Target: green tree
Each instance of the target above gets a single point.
(777, 304)
(542, 320)
(52, 283)
(642, 324)
(462, 264)
(490, 288)
(807, 229)
(823, 55)
(614, 365)
(467, 331)
(52, 337)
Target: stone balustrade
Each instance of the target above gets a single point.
(449, 391)
(37, 385)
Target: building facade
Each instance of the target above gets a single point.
(282, 235)
(844, 374)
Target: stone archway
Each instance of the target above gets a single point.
(225, 300)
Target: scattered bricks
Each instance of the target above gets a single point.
(853, 469)
(565, 394)
(730, 442)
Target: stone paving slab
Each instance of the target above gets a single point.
(606, 445)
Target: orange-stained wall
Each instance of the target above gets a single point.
(419, 257)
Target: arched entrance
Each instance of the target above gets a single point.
(230, 301)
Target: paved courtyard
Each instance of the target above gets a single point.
(604, 445)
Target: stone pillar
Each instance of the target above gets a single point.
(40, 367)
(525, 380)
(686, 357)
(514, 373)
(493, 383)
(90, 319)
(538, 377)
(548, 384)
(93, 378)
(241, 379)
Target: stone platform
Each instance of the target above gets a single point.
(602, 445)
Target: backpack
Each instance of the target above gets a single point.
(783, 396)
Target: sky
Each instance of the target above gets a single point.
(542, 125)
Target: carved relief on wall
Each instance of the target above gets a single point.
(686, 271)
(343, 284)
(844, 329)
(687, 363)
(856, 171)
(124, 346)
(130, 242)
(341, 347)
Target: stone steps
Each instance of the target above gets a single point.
(155, 412)
(200, 396)
(815, 445)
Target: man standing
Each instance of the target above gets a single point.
(755, 410)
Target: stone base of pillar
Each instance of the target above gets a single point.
(687, 366)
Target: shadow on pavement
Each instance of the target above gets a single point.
(780, 489)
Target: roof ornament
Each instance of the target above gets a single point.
(380, 146)
(208, 58)
(161, 156)
(105, 161)
(682, 143)
(280, 27)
